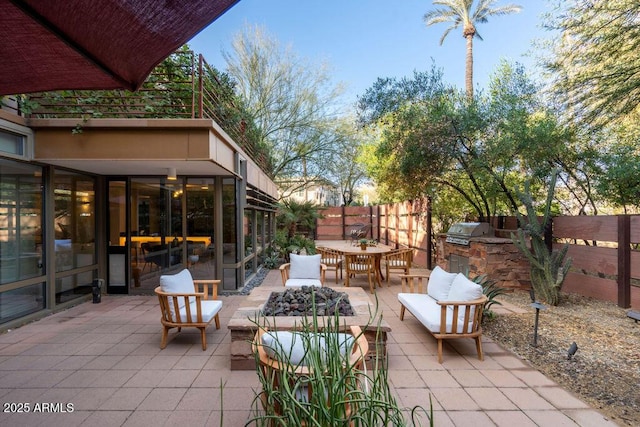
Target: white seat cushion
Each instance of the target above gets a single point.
(396, 263)
(331, 260)
(304, 266)
(358, 267)
(440, 283)
(292, 346)
(209, 309)
(296, 283)
(427, 311)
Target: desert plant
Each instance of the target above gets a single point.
(337, 385)
(491, 289)
(548, 267)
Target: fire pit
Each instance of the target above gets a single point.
(242, 324)
(302, 302)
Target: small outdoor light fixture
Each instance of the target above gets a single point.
(572, 350)
(171, 174)
(538, 306)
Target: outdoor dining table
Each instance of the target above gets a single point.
(346, 247)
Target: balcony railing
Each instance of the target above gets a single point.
(180, 87)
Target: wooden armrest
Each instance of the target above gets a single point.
(410, 281)
(207, 287)
(478, 301)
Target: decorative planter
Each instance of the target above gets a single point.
(363, 246)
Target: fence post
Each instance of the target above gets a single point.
(429, 233)
(624, 261)
(344, 226)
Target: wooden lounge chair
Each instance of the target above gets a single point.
(451, 308)
(185, 302)
(303, 270)
(281, 358)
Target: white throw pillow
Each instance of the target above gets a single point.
(304, 267)
(463, 289)
(440, 283)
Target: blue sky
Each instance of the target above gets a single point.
(365, 39)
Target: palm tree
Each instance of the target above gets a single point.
(458, 12)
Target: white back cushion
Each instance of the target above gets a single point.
(304, 267)
(440, 283)
(181, 283)
(463, 289)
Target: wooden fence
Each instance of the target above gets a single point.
(605, 249)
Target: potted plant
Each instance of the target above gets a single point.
(363, 244)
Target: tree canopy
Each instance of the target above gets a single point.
(459, 14)
(429, 137)
(595, 66)
(292, 104)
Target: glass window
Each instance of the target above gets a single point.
(200, 226)
(156, 226)
(247, 230)
(12, 143)
(229, 220)
(75, 233)
(19, 302)
(20, 221)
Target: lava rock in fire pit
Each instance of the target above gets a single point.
(300, 302)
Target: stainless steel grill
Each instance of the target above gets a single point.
(461, 232)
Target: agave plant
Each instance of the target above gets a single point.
(491, 289)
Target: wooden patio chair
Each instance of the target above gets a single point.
(185, 302)
(281, 359)
(303, 270)
(332, 259)
(399, 259)
(361, 264)
(359, 231)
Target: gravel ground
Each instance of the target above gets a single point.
(604, 372)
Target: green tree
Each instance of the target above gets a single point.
(291, 102)
(346, 167)
(430, 137)
(460, 15)
(595, 65)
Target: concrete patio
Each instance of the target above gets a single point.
(104, 360)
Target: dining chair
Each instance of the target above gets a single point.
(399, 259)
(332, 259)
(361, 264)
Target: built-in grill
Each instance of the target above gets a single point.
(461, 232)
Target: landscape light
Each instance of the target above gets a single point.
(572, 350)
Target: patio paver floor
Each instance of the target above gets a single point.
(104, 360)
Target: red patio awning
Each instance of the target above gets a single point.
(93, 44)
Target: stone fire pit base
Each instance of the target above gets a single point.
(243, 327)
